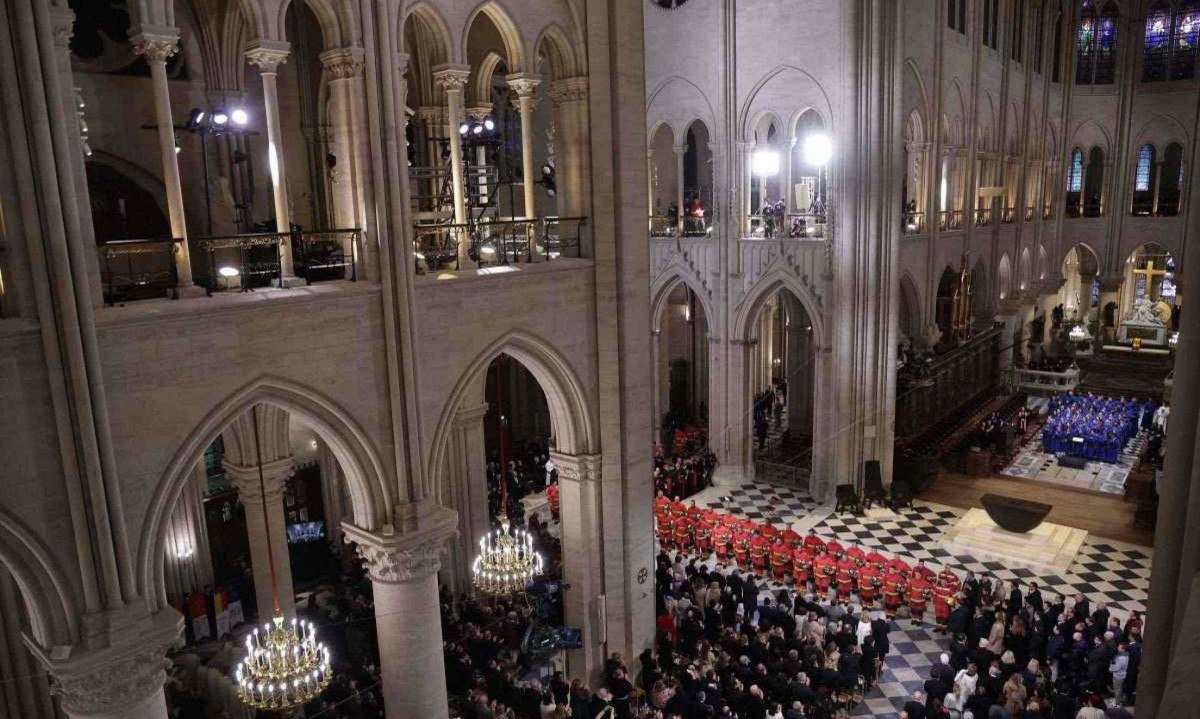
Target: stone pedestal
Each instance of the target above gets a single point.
(403, 571)
(1049, 547)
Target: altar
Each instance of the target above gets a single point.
(1048, 547)
(1145, 322)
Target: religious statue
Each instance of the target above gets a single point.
(1144, 312)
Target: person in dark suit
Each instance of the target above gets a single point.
(1033, 598)
(879, 635)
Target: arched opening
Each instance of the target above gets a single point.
(808, 182)
(517, 437)
(1093, 183)
(1145, 180)
(664, 182)
(1004, 276)
(909, 318)
(1096, 51)
(981, 298)
(947, 291)
(1080, 292)
(697, 179)
(1149, 295)
(1075, 183)
(427, 132)
(916, 162)
(783, 389)
(122, 209)
(682, 366)
(1024, 270)
(766, 168)
(1170, 192)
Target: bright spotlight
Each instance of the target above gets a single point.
(487, 251)
(818, 148)
(220, 118)
(477, 130)
(239, 116)
(228, 272)
(195, 117)
(488, 124)
(765, 163)
(463, 128)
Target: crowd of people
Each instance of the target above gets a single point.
(1094, 427)
(813, 646)
(768, 410)
(529, 470)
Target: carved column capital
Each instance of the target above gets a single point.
(524, 83)
(392, 558)
(112, 679)
(274, 479)
(157, 43)
(451, 78)
(343, 62)
(470, 415)
(569, 89)
(583, 468)
(268, 55)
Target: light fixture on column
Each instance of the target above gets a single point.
(285, 665)
(507, 561)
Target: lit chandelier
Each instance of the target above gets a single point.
(285, 665)
(507, 561)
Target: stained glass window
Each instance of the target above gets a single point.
(1187, 36)
(1158, 45)
(1075, 173)
(1143, 181)
(1097, 49)
(1145, 163)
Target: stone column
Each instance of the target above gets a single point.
(26, 692)
(524, 84)
(403, 571)
(656, 385)
(747, 169)
(268, 534)
(452, 79)
(680, 151)
(467, 460)
(788, 187)
(347, 179)
(583, 560)
(158, 44)
(332, 482)
(123, 680)
(188, 562)
(569, 97)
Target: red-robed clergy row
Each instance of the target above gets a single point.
(807, 561)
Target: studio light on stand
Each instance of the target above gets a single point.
(285, 665)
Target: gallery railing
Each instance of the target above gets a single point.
(950, 220)
(247, 261)
(793, 225)
(497, 242)
(914, 223)
(661, 226)
(139, 269)
(1008, 215)
(983, 216)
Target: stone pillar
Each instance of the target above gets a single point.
(583, 560)
(26, 687)
(158, 44)
(569, 97)
(347, 179)
(403, 571)
(267, 56)
(123, 680)
(680, 151)
(268, 534)
(188, 562)
(524, 84)
(332, 481)
(656, 388)
(452, 79)
(467, 465)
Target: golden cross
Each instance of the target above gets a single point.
(1149, 273)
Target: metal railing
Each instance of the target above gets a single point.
(139, 269)
(794, 225)
(247, 261)
(1047, 211)
(983, 216)
(913, 223)
(950, 220)
(661, 226)
(1008, 215)
(497, 242)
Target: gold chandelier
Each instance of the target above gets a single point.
(285, 665)
(507, 561)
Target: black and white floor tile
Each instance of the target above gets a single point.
(762, 501)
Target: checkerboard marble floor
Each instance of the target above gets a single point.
(766, 502)
(914, 649)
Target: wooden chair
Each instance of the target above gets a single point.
(847, 499)
(873, 491)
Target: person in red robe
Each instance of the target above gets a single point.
(802, 564)
(722, 537)
(814, 544)
(893, 591)
(760, 550)
(781, 560)
(919, 593)
(847, 574)
(824, 567)
(870, 579)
